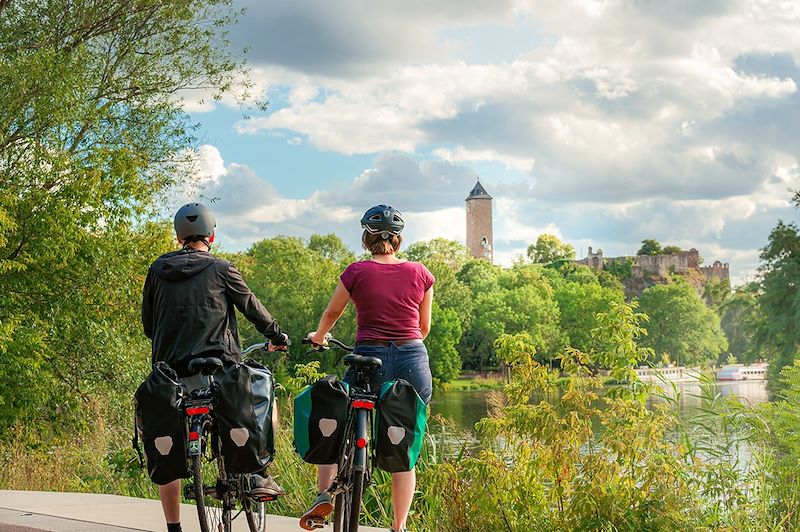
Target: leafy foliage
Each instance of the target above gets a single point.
(454, 254)
(740, 318)
(650, 247)
(550, 469)
(621, 268)
(681, 325)
(579, 304)
(779, 331)
(91, 137)
(548, 248)
(295, 280)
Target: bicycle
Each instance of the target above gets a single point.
(216, 502)
(357, 459)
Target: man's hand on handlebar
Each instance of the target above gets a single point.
(281, 343)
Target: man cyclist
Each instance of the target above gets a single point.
(188, 312)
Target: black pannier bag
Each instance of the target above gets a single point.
(244, 405)
(399, 426)
(161, 425)
(320, 415)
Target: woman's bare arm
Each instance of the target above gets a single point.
(332, 313)
(425, 309)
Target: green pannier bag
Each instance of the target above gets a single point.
(399, 426)
(320, 416)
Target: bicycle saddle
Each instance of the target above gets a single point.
(360, 360)
(206, 366)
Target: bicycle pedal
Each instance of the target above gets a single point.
(312, 523)
(266, 498)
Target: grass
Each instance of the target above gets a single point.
(474, 383)
(103, 462)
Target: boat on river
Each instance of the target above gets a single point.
(741, 372)
(668, 374)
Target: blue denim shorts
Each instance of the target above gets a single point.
(407, 361)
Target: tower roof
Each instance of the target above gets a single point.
(478, 192)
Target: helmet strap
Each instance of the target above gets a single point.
(187, 244)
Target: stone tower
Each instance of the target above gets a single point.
(479, 223)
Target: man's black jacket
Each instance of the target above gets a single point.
(188, 308)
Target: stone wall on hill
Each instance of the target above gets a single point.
(649, 270)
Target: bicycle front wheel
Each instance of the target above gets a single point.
(214, 515)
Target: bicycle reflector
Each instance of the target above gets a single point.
(361, 443)
(364, 403)
(198, 410)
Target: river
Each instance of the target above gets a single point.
(467, 407)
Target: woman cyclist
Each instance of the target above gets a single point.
(393, 300)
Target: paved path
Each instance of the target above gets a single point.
(29, 511)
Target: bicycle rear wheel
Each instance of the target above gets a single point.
(256, 513)
(341, 510)
(213, 512)
(355, 500)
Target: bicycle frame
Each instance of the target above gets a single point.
(359, 435)
(203, 437)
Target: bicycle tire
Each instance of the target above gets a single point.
(341, 504)
(355, 500)
(341, 512)
(212, 513)
(256, 514)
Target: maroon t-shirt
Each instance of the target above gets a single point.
(387, 298)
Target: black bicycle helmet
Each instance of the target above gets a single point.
(194, 220)
(383, 220)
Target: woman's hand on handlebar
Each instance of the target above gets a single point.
(318, 340)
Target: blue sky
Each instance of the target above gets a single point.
(603, 122)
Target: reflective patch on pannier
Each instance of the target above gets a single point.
(327, 426)
(320, 414)
(396, 434)
(163, 445)
(245, 396)
(399, 426)
(239, 436)
(161, 423)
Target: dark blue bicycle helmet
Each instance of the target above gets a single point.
(383, 220)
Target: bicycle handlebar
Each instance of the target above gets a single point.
(254, 347)
(333, 341)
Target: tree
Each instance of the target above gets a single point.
(681, 325)
(92, 137)
(668, 250)
(331, 247)
(650, 247)
(779, 333)
(508, 301)
(549, 248)
(441, 343)
(740, 319)
(579, 304)
(295, 283)
(716, 292)
(452, 253)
